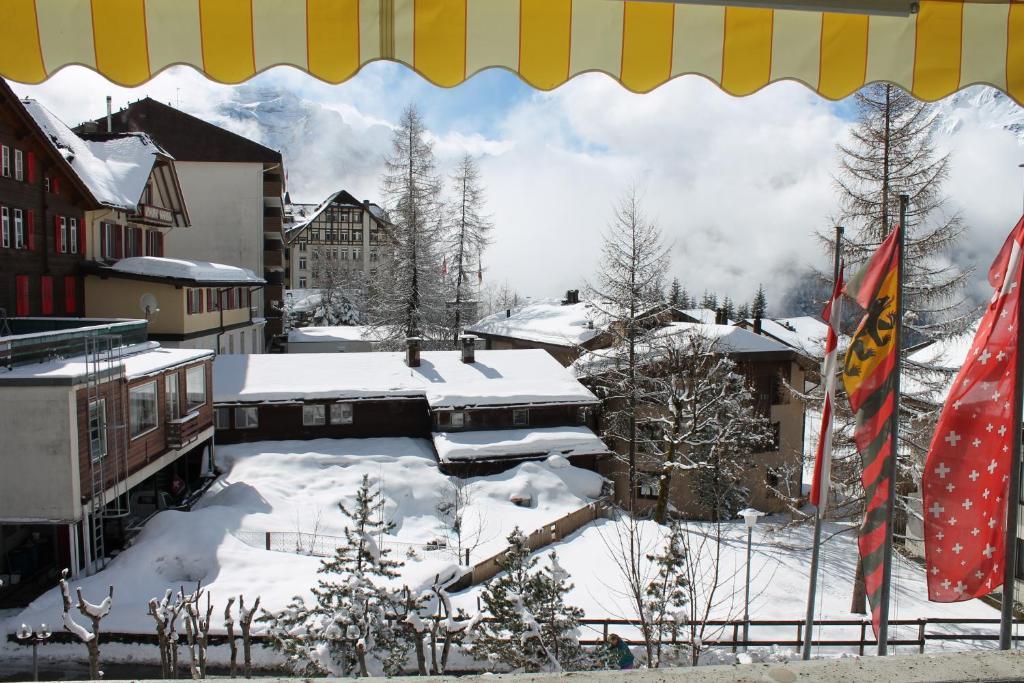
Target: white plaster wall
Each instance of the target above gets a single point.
(39, 453)
(225, 205)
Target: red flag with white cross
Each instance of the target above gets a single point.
(966, 477)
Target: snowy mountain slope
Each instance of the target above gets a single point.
(981, 106)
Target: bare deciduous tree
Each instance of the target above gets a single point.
(94, 613)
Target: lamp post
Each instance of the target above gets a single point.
(39, 635)
(749, 516)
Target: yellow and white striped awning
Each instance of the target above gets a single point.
(946, 46)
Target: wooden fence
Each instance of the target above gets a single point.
(540, 538)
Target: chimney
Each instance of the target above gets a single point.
(508, 312)
(468, 348)
(110, 125)
(757, 325)
(412, 350)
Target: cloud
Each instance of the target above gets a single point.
(738, 185)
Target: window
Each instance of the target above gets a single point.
(5, 161)
(582, 414)
(1020, 559)
(247, 417)
(373, 255)
(74, 235)
(302, 263)
(302, 246)
(154, 243)
(520, 417)
(70, 294)
(133, 242)
(212, 299)
(98, 429)
(356, 254)
(241, 341)
(341, 413)
(142, 409)
(647, 487)
(302, 283)
(19, 230)
(231, 344)
(195, 301)
(19, 165)
(5, 226)
(62, 234)
(172, 397)
(222, 418)
(195, 386)
(458, 419)
(344, 253)
(46, 183)
(107, 243)
(46, 294)
(21, 294)
(312, 415)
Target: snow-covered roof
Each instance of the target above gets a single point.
(546, 321)
(517, 443)
(138, 360)
(803, 333)
(528, 376)
(935, 367)
(702, 315)
(200, 272)
(115, 170)
(327, 333)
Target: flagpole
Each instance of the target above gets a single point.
(1013, 495)
(812, 588)
(883, 611)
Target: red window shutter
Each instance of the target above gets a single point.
(160, 248)
(56, 234)
(31, 167)
(70, 294)
(199, 298)
(30, 226)
(55, 185)
(46, 291)
(21, 294)
(118, 241)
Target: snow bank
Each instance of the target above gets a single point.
(510, 443)
(290, 486)
(496, 378)
(327, 333)
(198, 271)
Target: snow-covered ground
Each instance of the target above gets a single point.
(291, 486)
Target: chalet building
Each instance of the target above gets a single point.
(768, 367)
(102, 429)
(804, 333)
(340, 237)
(484, 411)
(43, 207)
(188, 304)
(234, 188)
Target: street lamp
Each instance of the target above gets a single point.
(749, 516)
(39, 635)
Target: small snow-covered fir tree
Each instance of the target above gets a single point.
(675, 294)
(743, 312)
(728, 308)
(340, 291)
(559, 623)
(667, 595)
(350, 630)
(759, 306)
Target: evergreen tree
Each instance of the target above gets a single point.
(349, 630)
(559, 623)
(728, 308)
(759, 306)
(406, 297)
(667, 595)
(709, 301)
(675, 293)
(629, 283)
(685, 300)
(743, 312)
(470, 235)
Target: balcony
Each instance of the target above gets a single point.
(273, 259)
(272, 225)
(272, 187)
(183, 431)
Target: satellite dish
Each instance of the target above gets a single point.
(148, 305)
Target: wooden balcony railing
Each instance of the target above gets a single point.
(183, 431)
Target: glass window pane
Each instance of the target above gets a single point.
(195, 385)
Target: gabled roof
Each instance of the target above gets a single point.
(340, 198)
(803, 333)
(187, 137)
(116, 169)
(546, 321)
(18, 107)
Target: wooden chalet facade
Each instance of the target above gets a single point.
(43, 207)
(512, 394)
(95, 438)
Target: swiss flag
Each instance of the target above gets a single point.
(967, 473)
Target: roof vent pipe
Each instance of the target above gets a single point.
(468, 348)
(413, 344)
(757, 325)
(110, 125)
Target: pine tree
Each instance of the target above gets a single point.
(675, 293)
(743, 312)
(728, 308)
(349, 630)
(759, 306)
(667, 595)
(405, 298)
(629, 284)
(470, 235)
(685, 300)
(709, 301)
(559, 623)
